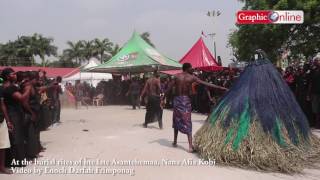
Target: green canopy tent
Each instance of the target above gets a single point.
(137, 56)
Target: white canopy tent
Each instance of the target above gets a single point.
(89, 77)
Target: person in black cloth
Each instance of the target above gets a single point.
(34, 102)
(152, 89)
(314, 91)
(14, 102)
(29, 114)
(134, 91)
(56, 99)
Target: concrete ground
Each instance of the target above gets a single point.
(101, 136)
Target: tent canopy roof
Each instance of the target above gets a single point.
(137, 56)
(200, 57)
(92, 63)
(88, 76)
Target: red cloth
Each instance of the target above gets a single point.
(70, 96)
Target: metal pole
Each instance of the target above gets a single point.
(91, 79)
(215, 50)
(214, 14)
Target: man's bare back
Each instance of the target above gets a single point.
(183, 83)
(183, 87)
(152, 87)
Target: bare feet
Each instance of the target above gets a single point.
(42, 149)
(5, 171)
(39, 156)
(192, 150)
(174, 144)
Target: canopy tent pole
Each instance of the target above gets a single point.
(91, 80)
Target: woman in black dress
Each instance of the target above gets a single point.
(14, 101)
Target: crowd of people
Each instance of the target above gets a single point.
(29, 104)
(304, 81)
(126, 92)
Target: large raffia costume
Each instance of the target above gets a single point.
(259, 125)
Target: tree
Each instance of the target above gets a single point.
(116, 48)
(101, 47)
(74, 51)
(43, 47)
(23, 50)
(44, 63)
(8, 54)
(233, 43)
(146, 36)
(302, 39)
(88, 50)
(64, 61)
(84, 50)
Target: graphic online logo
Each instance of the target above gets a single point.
(270, 17)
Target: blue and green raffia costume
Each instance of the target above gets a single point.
(258, 124)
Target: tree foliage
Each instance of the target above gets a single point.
(146, 36)
(81, 51)
(103, 48)
(24, 50)
(299, 39)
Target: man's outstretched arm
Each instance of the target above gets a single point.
(209, 84)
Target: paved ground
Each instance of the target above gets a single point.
(102, 134)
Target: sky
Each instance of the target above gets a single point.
(174, 25)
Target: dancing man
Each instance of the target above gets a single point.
(182, 102)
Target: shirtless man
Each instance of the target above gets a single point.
(182, 102)
(154, 111)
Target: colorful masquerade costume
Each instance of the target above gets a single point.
(258, 124)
